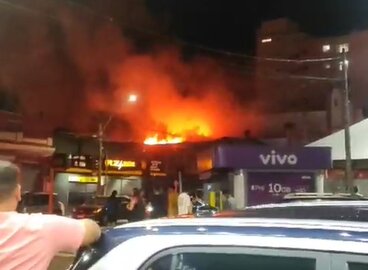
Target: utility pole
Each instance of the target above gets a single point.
(100, 157)
(347, 121)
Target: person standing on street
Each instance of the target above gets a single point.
(112, 207)
(136, 207)
(172, 209)
(30, 241)
(185, 206)
(229, 202)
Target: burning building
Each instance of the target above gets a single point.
(70, 68)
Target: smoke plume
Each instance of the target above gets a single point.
(71, 68)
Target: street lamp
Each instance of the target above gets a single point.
(132, 98)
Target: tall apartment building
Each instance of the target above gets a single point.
(309, 87)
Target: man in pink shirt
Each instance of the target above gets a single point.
(30, 241)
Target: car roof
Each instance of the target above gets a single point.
(311, 229)
(323, 196)
(347, 234)
(337, 203)
(238, 222)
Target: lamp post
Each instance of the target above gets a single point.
(132, 98)
(347, 122)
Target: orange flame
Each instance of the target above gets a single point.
(156, 140)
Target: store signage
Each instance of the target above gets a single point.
(77, 161)
(83, 179)
(278, 159)
(266, 158)
(156, 168)
(120, 164)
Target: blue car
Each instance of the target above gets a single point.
(236, 244)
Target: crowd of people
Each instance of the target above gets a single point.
(23, 237)
(161, 204)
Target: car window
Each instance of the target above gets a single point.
(220, 261)
(358, 266)
(35, 199)
(39, 200)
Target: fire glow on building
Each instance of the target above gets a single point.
(179, 134)
(156, 140)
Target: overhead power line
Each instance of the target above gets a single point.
(203, 47)
(274, 75)
(176, 40)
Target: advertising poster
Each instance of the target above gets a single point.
(266, 188)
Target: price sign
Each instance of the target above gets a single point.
(272, 187)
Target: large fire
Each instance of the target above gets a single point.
(181, 127)
(157, 140)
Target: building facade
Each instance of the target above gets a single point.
(125, 166)
(308, 86)
(32, 156)
(262, 174)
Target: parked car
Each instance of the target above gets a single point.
(201, 209)
(323, 196)
(38, 202)
(95, 209)
(347, 210)
(235, 244)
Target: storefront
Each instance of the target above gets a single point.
(122, 176)
(258, 174)
(76, 177)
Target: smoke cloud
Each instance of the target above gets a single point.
(71, 69)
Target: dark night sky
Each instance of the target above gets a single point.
(231, 24)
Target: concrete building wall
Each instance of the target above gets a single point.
(308, 126)
(281, 82)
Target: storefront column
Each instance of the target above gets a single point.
(320, 182)
(240, 189)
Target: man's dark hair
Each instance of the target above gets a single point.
(114, 193)
(8, 179)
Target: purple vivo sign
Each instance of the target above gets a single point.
(260, 157)
(272, 187)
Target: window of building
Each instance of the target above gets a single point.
(238, 261)
(343, 48)
(326, 48)
(266, 40)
